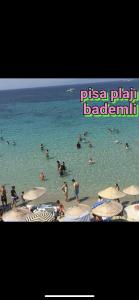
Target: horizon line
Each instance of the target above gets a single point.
(107, 80)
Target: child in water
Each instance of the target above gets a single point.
(42, 176)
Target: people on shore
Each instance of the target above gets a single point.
(42, 176)
(14, 196)
(65, 190)
(3, 196)
(22, 197)
(76, 189)
(117, 187)
(1, 214)
(59, 210)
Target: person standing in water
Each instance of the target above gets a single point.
(78, 145)
(58, 165)
(42, 176)
(65, 190)
(127, 146)
(76, 189)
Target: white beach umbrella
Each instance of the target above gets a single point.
(132, 213)
(132, 190)
(34, 193)
(16, 215)
(108, 209)
(111, 193)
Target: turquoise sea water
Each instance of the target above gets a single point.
(53, 117)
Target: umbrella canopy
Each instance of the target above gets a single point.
(41, 216)
(80, 213)
(108, 209)
(132, 190)
(35, 193)
(77, 210)
(132, 212)
(16, 215)
(111, 193)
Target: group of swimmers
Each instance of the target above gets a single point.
(90, 145)
(46, 150)
(61, 168)
(13, 143)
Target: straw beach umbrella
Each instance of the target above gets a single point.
(132, 213)
(34, 193)
(16, 215)
(111, 193)
(79, 213)
(41, 216)
(132, 190)
(108, 209)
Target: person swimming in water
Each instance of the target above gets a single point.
(127, 146)
(78, 145)
(47, 153)
(42, 147)
(90, 144)
(8, 142)
(90, 161)
(14, 143)
(80, 138)
(85, 133)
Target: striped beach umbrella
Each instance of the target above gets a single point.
(40, 216)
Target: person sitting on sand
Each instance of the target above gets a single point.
(42, 176)
(65, 190)
(100, 199)
(76, 189)
(61, 211)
